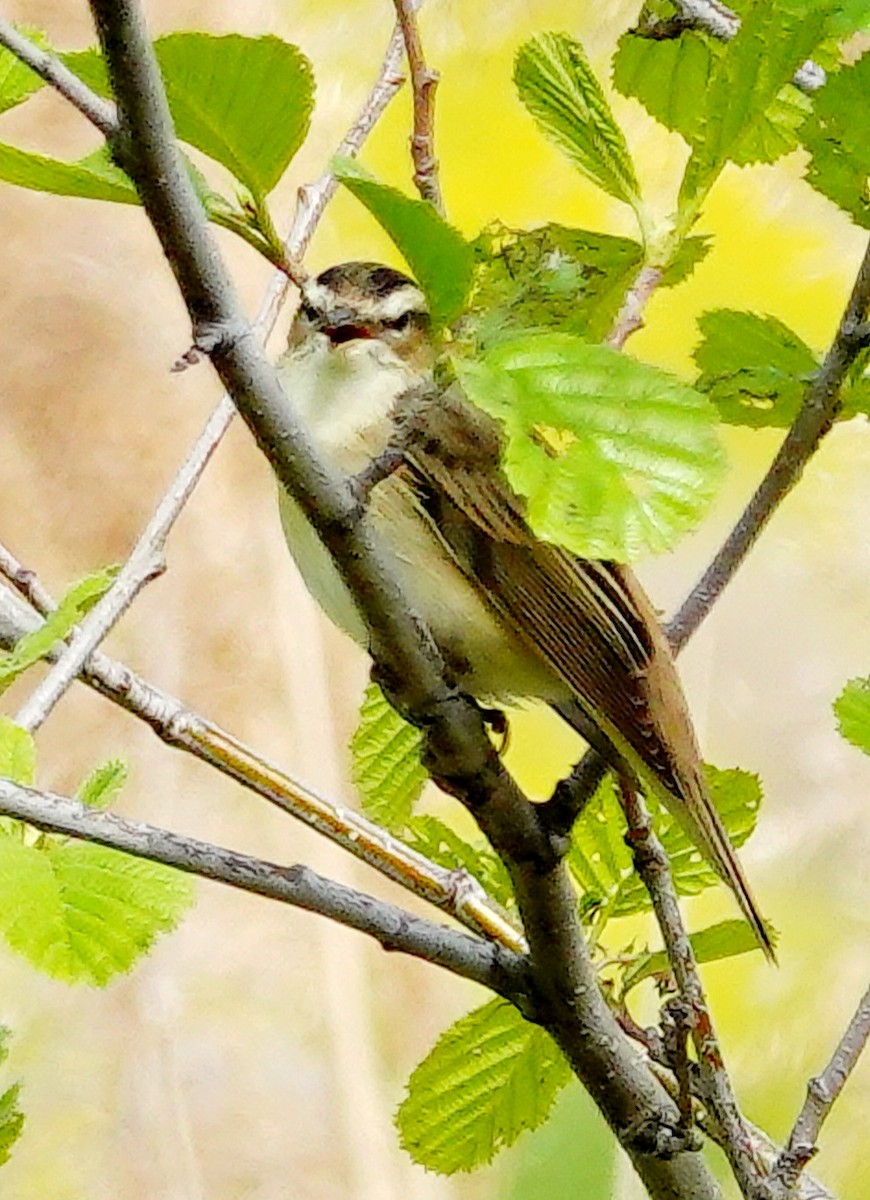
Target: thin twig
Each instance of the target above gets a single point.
(47, 66)
(314, 197)
(455, 892)
(424, 81)
(723, 23)
(146, 560)
(471, 957)
(653, 867)
(822, 1093)
(820, 406)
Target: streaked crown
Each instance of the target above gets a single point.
(362, 300)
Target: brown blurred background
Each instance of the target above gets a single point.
(259, 1052)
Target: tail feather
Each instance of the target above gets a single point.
(687, 795)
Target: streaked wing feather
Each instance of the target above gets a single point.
(591, 621)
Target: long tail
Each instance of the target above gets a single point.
(689, 799)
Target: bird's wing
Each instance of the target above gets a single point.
(590, 621)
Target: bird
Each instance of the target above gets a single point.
(514, 617)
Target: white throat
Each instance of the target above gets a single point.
(344, 395)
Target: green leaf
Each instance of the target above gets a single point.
(601, 863)
(773, 41)
(725, 940)
(94, 177)
(840, 154)
(559, 88)
(556, 278)
(852, 710)
(437, 254)
(850, 16)
(566, 279)
(385, 757)
(17, 753)
(444, 846)
(11, 1117)
(489, 1077)
(668, 76)
(34, 646)
(103, 784)
(245, 102)
(17, 81)
(82, 913)
(777, 131)
(615, 458)
(754, 369)
(11, 1121)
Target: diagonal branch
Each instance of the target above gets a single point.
(473, 958)
(653, 867)
(459, 755)
(423, 83)
(820, 407)
(454, 892)
(146, 561)
(822, 1094)
(49, 67)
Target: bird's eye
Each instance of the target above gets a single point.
(308, 311)
(400, 323)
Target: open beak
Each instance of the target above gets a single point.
(339, 326)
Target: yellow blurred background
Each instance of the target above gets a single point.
(259, 1052)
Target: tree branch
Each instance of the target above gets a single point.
(146, 561)
(820, 407)
(314, 197)
(819, 410)
(458, 753)
(455, 892)
(630, 316)
(653, 867)
(473, 958)
(47, 66)
(822, 1094)
(423, 83)
(715, 18)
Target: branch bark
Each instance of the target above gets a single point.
(822, 1094)
(456, 893)
(819, 410)
(473, 958)
(652, 865)
(47, 66)
(569, 1001)
(423, 83)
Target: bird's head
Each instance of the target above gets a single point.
(364, 301)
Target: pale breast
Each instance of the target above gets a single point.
(345, 401)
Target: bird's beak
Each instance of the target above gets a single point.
(342, 325)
